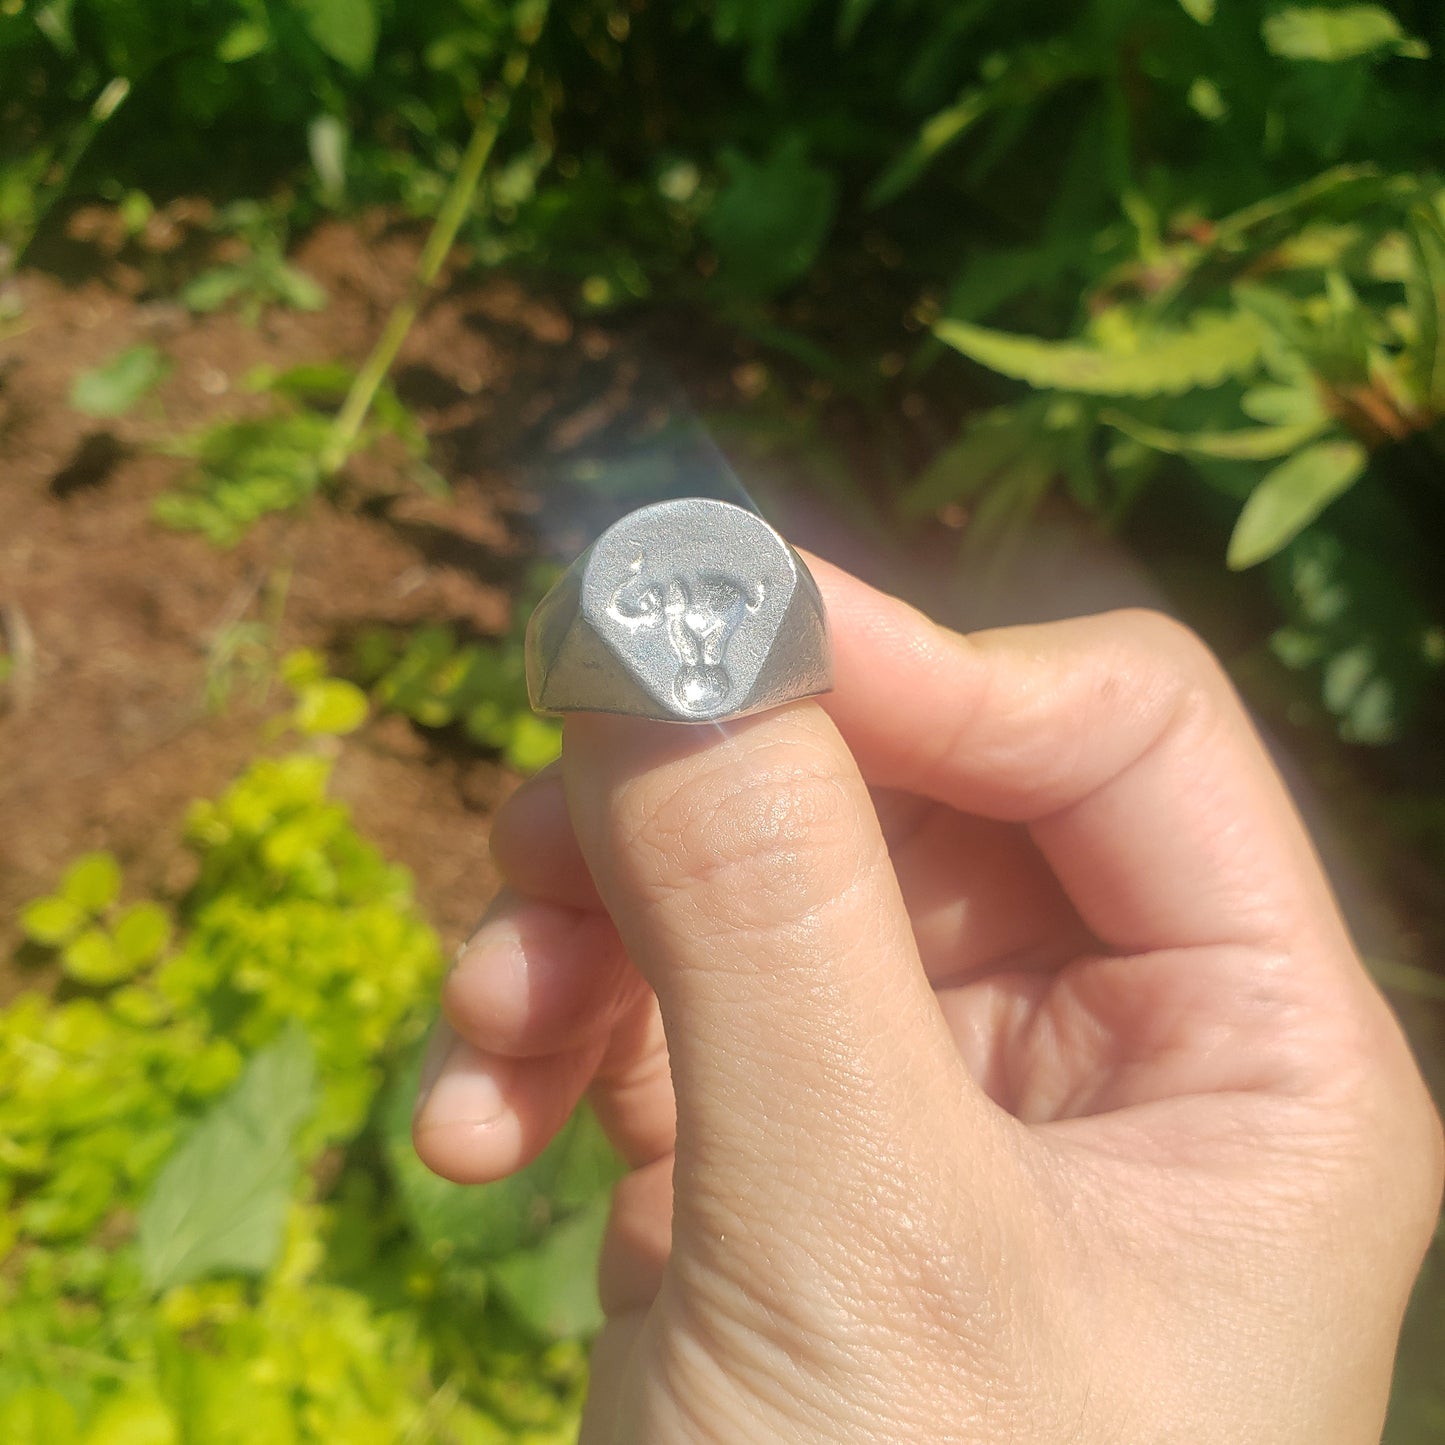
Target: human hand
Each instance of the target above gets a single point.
(1038, 1096)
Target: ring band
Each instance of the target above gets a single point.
(685, 611)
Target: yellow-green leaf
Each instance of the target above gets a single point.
(92, 882)
(1200, 10)
(1166, 363)
(51, 921)
(1291, 497)
(1249, 444)
(332, 705)
(94, 959)
(142, 933)
(1335, 33)
(138, 1416)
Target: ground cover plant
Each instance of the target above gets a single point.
(1178, 264)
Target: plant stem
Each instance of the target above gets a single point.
(352, 417)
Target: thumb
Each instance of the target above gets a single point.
(749, 880)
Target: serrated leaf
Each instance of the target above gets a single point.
(219, 1204)
(1250, 444)
(92, 958)
(331, 705)
(92, 882)
(1168, 363)
(113, 389)
(345, 29)
(51, 921)
(142, 933)
(1330, 34)
(1291, 497)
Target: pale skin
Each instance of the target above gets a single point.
(989, 1055)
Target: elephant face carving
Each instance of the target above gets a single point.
(699, 611)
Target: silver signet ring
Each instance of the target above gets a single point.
(686, 611)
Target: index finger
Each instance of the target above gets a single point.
(1118, 740)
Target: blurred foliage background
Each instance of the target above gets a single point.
(1181, 263)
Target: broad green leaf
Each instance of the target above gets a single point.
(1168, 363)
(331, 705)
(1291, 497)
(219, 1205)
(142, 933)
(345, 29)
(770, 218)
(92, 882)
(93, 958)
(1200, 10)
(552, 1286)
(1252, 444)
(51, 921)
(1335, 33)
(480, 1225)
(113, 389)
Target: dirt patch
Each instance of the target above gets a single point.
(118, 628)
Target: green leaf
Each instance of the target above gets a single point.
(331, 705)
(37, 1413)
(142, 933)
(479, 1226)
(51, 921)
(345, 29)
(1283, 406)
(936, 135)
(533, 744)
(213, 289)
(243, 40)
(1252, 444)
(113, 389)
(1291, 497)
(329, 142)
(1334, 33)
(770, 218)
(93, 959)
(92, 882)
(1200, 10)
(137, 1416)
(1425, 292)
(1215, 348)
(220, 1202)
(552, 1286)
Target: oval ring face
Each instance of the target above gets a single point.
(702, 612)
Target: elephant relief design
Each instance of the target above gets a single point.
(700, 612)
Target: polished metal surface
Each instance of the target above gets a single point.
(686, 611)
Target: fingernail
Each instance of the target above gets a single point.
(437, 1048)
(467, 1094)
(463, 1088)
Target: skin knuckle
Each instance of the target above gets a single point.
(762, 839)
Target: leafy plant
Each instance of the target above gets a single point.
(114, 388)
(249, 469)
(439, 682)
(180, 1262)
